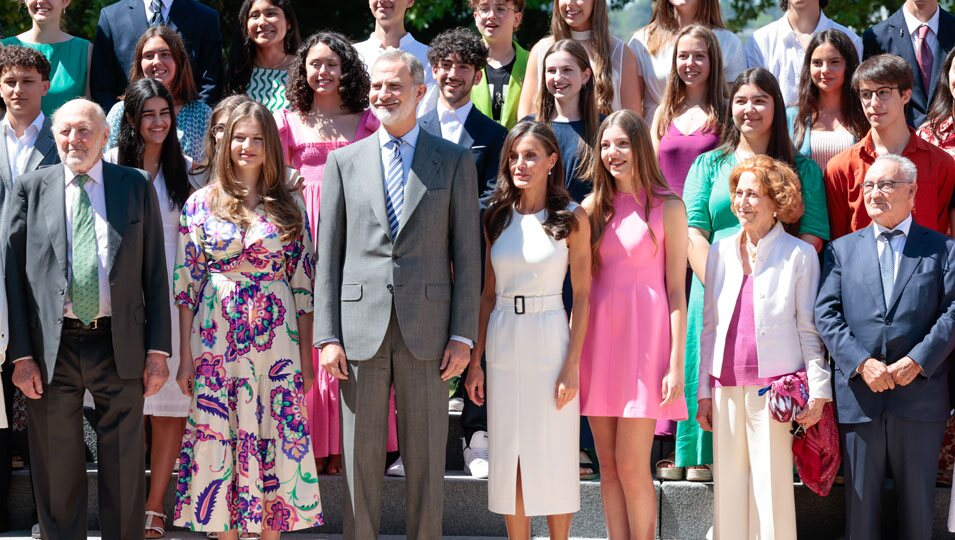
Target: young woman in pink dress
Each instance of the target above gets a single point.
(328, 109)
(631, 368)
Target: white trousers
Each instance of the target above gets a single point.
(752, 470)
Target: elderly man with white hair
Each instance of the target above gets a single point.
(89, 310)
(890, 333)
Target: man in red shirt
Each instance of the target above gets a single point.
(884, 84)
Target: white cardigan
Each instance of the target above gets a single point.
(785, 282)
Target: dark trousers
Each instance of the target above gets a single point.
(85, 362)
(473, 417)
(910, 448)
(6, 448)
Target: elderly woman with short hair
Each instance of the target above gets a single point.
(758, 325)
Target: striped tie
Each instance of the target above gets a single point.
(394, 186)
(156, 7)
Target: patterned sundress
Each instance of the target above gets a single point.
(246, 460)
(267, 86)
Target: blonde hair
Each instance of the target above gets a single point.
(228, 193)
(663, 24)
(780, 182)
(647, 178)
(674, 98)
(600, 38)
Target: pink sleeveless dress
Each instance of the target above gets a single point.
(309, 157)
(627, 348)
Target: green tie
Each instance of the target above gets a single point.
(84, 290)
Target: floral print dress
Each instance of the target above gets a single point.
(246, 460)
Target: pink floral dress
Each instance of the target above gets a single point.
(246, 460)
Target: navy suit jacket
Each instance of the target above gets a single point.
(484, 137)
(919, 322)
(120, 27)
(892, 36)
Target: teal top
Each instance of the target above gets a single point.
(69, 61)
(267, 86)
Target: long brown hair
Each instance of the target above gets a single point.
(648, 181)
(600, 40)
(228, 193)
(808, 111)
(943, 104)
(560, 222)
(223, 109)
(780, 146)
(183, 88)
(663, 24)
(589, 117)
(674, 98)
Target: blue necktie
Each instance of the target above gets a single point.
(887, 264)
(394, 186)
(156, 7)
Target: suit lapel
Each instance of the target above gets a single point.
(53, 195)
(117, 199)
(908, 262)
(902, 44)
(423, 165)
(430, 123)
(137, 16)
(869, 256)
(470, 124)
(5, 173)
(944, 41)
(43, 146)
(372, 182)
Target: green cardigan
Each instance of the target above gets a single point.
(481, 93)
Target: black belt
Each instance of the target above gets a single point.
(103, 323)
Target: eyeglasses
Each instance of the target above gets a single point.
(883, 93)
(885, 186)
(499, 11)
(218, 129)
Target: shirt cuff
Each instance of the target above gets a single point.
(22, 358)
(322, 343)
(464, 340)
(154, 351)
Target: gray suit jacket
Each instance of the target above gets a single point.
(43, 154)
(363, 270)
(36, 268)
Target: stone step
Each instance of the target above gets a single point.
(685, 509)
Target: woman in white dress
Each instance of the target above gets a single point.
(653, 45)
(534, 231)
(614, 66)
(144, 143)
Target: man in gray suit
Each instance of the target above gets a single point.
(89, 310)
(397, 301)
(27, 144)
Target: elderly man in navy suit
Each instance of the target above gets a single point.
(890, 334)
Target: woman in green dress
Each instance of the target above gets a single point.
(755, 123)
(69, 56)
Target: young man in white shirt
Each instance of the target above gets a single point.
(390, 33)
(922, 33)
(780, 46)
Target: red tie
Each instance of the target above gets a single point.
(924, 56)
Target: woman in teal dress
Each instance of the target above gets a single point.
(69, 56)
(755, 124)
(263, 51)
(161, 55)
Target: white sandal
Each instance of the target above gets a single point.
(160, 530)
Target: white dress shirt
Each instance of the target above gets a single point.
(97, 194)
(776, 48)
(166, 5)
(452, 120)
(913, 24)
(898, 241)
(19, 148)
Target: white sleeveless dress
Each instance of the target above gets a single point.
(525, 352)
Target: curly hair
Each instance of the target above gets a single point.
(560, 222)
(242, 53)
(14, 56)
(461, 42)
(353, 85)
(183, 87)
(778, 180)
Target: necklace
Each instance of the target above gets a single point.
(281, 63)
(750, 251)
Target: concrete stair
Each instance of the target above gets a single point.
(684, 508)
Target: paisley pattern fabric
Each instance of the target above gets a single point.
(246, 460)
